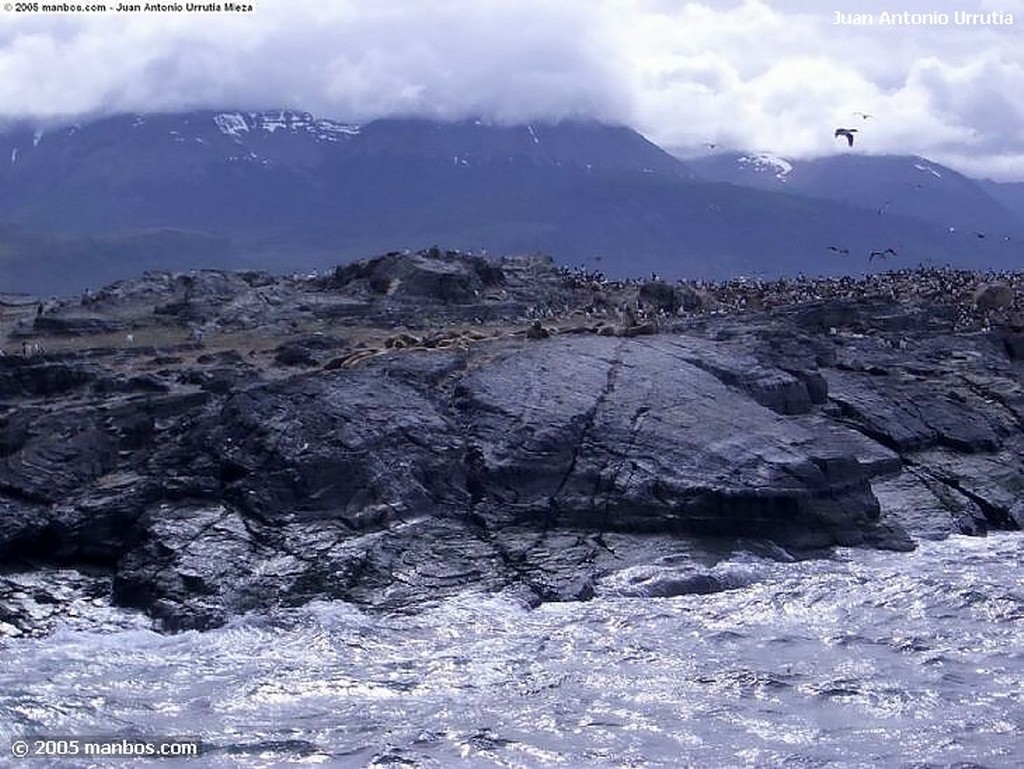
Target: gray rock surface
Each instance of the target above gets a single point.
(389, 435)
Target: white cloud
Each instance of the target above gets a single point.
(755, 74)
(781, 76)
(356, 60)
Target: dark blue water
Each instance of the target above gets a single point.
(869, 659)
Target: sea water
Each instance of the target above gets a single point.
(865, 659)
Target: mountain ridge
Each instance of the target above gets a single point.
(287, 191)
(910, 185)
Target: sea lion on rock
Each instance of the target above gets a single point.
(402, 341)
(537, 331)
(640, 329)
(356, 357)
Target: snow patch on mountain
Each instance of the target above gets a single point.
(231, 123)
(929, 169)
(236, 124)
(249, 157)
(275, 121)
(330, 130)
(765, 163)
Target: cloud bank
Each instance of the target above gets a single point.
(774, 76)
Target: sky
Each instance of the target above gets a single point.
(774, 76)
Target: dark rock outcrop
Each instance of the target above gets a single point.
(36, 377)
(449, 278)
(282, 462)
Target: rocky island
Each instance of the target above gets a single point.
(200, 445)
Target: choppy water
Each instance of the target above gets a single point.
(869, 659)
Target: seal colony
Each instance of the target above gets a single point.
(433, 299)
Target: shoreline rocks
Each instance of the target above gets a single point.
(297, 452)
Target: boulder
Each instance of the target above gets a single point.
(77, 324)
(428, 275)
(661, 296)
(993, 296)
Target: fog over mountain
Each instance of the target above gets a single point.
(754, 75)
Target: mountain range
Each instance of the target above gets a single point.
(887, 184)
(84, 204)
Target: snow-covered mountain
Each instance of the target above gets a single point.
(182, 145)
(889, 185)
(284, 190)
(760, 169)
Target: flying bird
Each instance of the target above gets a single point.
(864, 115)
(710, 145)
(838, 250)
(847, 132)
(881, 254)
